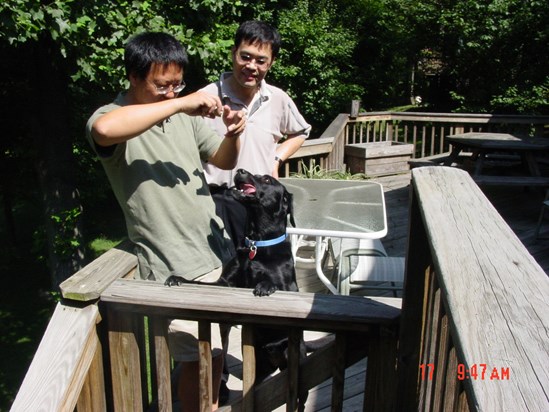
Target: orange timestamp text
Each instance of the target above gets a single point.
(477, 371)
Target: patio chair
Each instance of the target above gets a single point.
(363, 265)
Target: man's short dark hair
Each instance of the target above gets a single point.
(144, 49)
(254, 31)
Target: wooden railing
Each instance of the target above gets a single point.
(473, 329)
(127, 320)
(426, 131)
(475, 313)
(326, 152)
(67, 369)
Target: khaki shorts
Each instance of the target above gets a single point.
(183, 334)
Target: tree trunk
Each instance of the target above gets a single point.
(56, 165)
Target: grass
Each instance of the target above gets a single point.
(101, 244)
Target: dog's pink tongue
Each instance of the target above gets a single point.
(248, 188)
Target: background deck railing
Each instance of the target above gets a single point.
(426, 131)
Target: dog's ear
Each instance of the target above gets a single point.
(290, 201)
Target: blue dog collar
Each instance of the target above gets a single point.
(263, 243)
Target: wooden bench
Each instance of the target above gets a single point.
(485, 180)
(491, 159)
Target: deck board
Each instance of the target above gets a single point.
(519, 207)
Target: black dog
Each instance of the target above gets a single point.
(265, 263)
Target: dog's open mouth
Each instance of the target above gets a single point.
(247, 189)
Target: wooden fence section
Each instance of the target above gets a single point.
(327, 151)
(130, 339)
(67, 369)
(475, 315)
(371, 324)
(426, 131)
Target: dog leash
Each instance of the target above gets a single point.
(254, 244)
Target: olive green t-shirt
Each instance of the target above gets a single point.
(159, 182)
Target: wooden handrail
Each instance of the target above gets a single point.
(371, 321)
(201, 302)
(475, 314)
(88, 283)
(67, 361)
(453, 117)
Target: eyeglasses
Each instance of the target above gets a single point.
(245, 59)
(176, 88)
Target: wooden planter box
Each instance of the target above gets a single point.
(378, 158)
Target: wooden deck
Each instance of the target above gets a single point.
(438, 281)
(519, 207)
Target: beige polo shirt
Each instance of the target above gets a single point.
(272, 116)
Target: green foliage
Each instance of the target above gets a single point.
(315, 64)
(65, 239)
(91, 34)
(102, 244)
(383, 55)
(528, 100)
(314, 171)
(25, 303)
(493, 55)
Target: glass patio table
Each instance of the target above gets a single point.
(326, 208)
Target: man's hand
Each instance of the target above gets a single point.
(209, 105)
(201, 104)
(234, 120)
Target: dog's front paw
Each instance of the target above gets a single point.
(265, 289)
(174, 280)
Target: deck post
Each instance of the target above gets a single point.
(417, 270)
(381, 377)
(338, 371)
(160, 357)
(125, 363)
(295, 336)
(205, 367)
(248, 372)
(92, 397)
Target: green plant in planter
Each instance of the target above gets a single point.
(314, 171)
